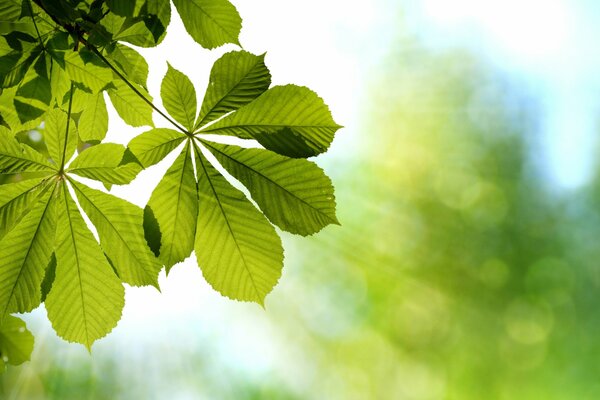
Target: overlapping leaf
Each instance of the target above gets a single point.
(236, 246)
(45, 242)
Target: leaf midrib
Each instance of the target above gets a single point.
(228, 225)
(37, 228)
(193, 2)
(270, 180)
(200, 124)
(67, 196)
(172, 236)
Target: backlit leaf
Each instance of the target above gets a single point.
(294, 194)
(119, 225)
(107, 163)
(174, 204)
(236, 79)
(25, 251)
(152, 146)
(131, 108)
(289, 120)
(212, 23)
(87, 298)
(179, 97)
(237, 249)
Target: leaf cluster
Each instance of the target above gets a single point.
(58, 59)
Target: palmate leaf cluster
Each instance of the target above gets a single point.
(58, 59)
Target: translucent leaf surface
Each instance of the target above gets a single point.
(294, 194)
(174, 204)
(179, 97)
(236, 79)
(87, 298)
(119, 225)
(237, 249)
(212, 23)
(290, 120)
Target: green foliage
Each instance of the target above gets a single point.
(58, 61)
(16, 342)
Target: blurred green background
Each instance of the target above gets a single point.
(463, 269)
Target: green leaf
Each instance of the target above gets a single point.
(119, 225)
(131, 108)
(174, 203)
(122, 8)
(295, 194)
(89, 72)
(61, 146)
(34, 93)
(212, 23)
(16, 200)
(132, 63)
(16, 342)
(25, 251)
(108, 163)
(148, 28)
(238, 250)
(87, 298)
(16, 157)
(14, 66)
(289, 120)
(10, 10)
(93, 121)
(179, 97)
(152, 146)
(236, 79)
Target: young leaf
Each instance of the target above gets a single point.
(119, 225)
(107, 163)
(93, 121)
(87, 298)
(152, 146)
(289, 120)
(212, 23)
(16, 157)
(131, 108)
(294, 194)
(238, 250)
(16, 342)
(55, 135)
(25, 251)
(179, 97)
(174, 203)
(236, 79)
